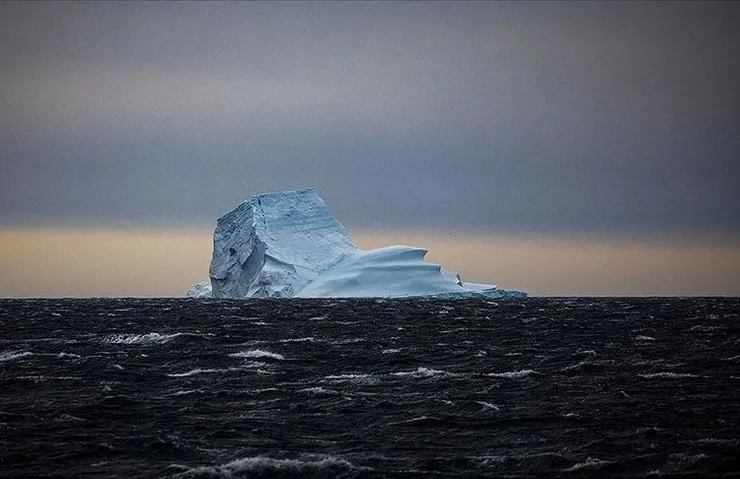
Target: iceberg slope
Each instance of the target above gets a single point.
(288, 244)
(393, 271)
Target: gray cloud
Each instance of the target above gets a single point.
(595, 117)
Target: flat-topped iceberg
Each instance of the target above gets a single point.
(287, 244)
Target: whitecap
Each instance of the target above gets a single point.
(349, 341)
(513, 374)
(193, 372)
(185, 392)
(413, 420)
(644, 338)
(424, 373)
(298, 340)
(143, 339)
(41, 378)
(263, 465)
(257, 353)
(356, 378)
(589, 352)
(668, 375)
(487, 405)
(589, 463)
(11, 355)
(576, 366)
(390, 351)
(319, 390)
(67, 355)
(253, 364)
(705, 329)
(68, 418)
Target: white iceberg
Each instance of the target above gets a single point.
(287, 244)
(200, 290)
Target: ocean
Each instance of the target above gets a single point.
(624, 387)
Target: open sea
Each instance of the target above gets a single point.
(189, 388)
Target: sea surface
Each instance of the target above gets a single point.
(370, 388)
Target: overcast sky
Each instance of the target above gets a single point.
(586, 118)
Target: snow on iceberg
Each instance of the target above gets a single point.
(287, 244)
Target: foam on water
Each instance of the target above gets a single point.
(12, 355)
(257, 353)
(668, 375)
(487, 405)
(68, 355)
(319, 390)
(574, 367)
(254, 364)
(185, 392)
(327, 466)
(354, 378)
(589, 464)
(193, 372)
(513, 374)
(143, 339)
(425, 373)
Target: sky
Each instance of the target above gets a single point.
(584, 148)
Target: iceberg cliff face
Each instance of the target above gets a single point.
(288, 244)
(274, 244)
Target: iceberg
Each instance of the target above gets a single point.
(288, 245)
(200, 290)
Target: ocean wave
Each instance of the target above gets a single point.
(185, 392)
(193, 372)
(589, 464)
(144, 339)
(417, 420)
(68, 355)
(328, 466)
(513, 374)
(319, 390)
(355, 378)
(12, 355)
(257, 353)
(705, 329)
(668, 375)
(425, 373)
(487, 405)
(573, 367)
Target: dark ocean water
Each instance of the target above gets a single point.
(372, 388)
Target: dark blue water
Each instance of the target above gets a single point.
(375, 388)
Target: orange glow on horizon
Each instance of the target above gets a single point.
(118, 263)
